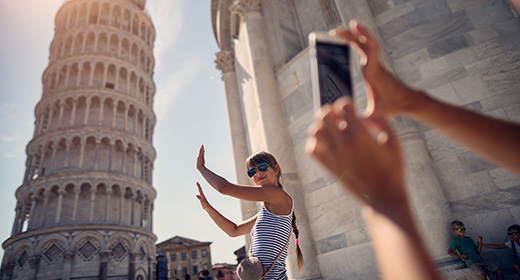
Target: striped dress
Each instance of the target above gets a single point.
(268, 237)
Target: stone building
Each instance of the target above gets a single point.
(225, 271)
(463, 52)
(84, 210)
(185, 256)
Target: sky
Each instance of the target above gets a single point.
(189, 104)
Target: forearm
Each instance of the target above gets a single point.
(494, 139)
(226, 225)
(400, 251)
(494, 246)
(217, 182)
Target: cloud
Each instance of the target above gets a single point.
(170, 86)
(168, 19)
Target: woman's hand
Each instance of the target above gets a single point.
(386, 95)
(363, 154)
(202, 198)
(200, 158)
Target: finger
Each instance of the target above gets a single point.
(201, 193)
(385, 134)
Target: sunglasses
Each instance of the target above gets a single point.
(262, 167)
(460, 229)
(512, 233)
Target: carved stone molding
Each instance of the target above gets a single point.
(225, 62)
(243, 7)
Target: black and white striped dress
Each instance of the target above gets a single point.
(268, 238)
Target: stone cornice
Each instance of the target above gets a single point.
(243, 7)
(225, 61)
(82, 228)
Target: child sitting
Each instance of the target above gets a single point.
(513, 232)
(464, 248)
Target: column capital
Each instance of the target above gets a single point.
(225, 61)
(243, 7)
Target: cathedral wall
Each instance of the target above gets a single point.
(463, 53)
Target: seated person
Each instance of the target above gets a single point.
(464, 247)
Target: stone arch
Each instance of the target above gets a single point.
(78, 43)
(105, 14)
(125, 48)
(48, 241)
(21, 253)
(116, 16)
(113, 46)
(87, 246)
(73, 75)
(115, 203)
(83, 203)
(126, 20)
(101, 202)
(111, 76)
(93, 15)
(102, 43)
(68, 46)
(120, 245)
(123, 79)
(90, 42)
(69, 195)
(83, 11)
(85, 74)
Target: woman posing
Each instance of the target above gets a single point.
(271, 227)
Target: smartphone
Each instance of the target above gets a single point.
(330, 68)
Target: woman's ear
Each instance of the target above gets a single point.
(277, 168)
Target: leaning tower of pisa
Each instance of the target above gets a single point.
(84, 209)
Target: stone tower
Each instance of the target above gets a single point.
(85, 207)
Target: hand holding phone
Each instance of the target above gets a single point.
(330, 67)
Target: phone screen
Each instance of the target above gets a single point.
(333, 71)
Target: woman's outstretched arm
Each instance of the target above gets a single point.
(494, 139)
(229, 227)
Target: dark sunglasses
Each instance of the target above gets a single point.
(460, 229)
(512, 233)
(262, 167)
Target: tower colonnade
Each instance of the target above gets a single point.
(85, 207)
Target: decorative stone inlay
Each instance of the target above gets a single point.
(22, 259)
(53, 253)
(242, 7)
(88, 250)
(119, 251)
(225, 62)
(142, 254)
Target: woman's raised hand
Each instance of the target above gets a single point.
(200, 158)
(202, 198)
(387, 96)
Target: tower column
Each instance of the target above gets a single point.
(226, 63)
(272, 123)
(60, 205)
(34, 264)
(45, 203)
(18, 214)
(432, 211)
(74, 106)
(67, 265)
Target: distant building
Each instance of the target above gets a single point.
(225, 271)
(185, 256)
